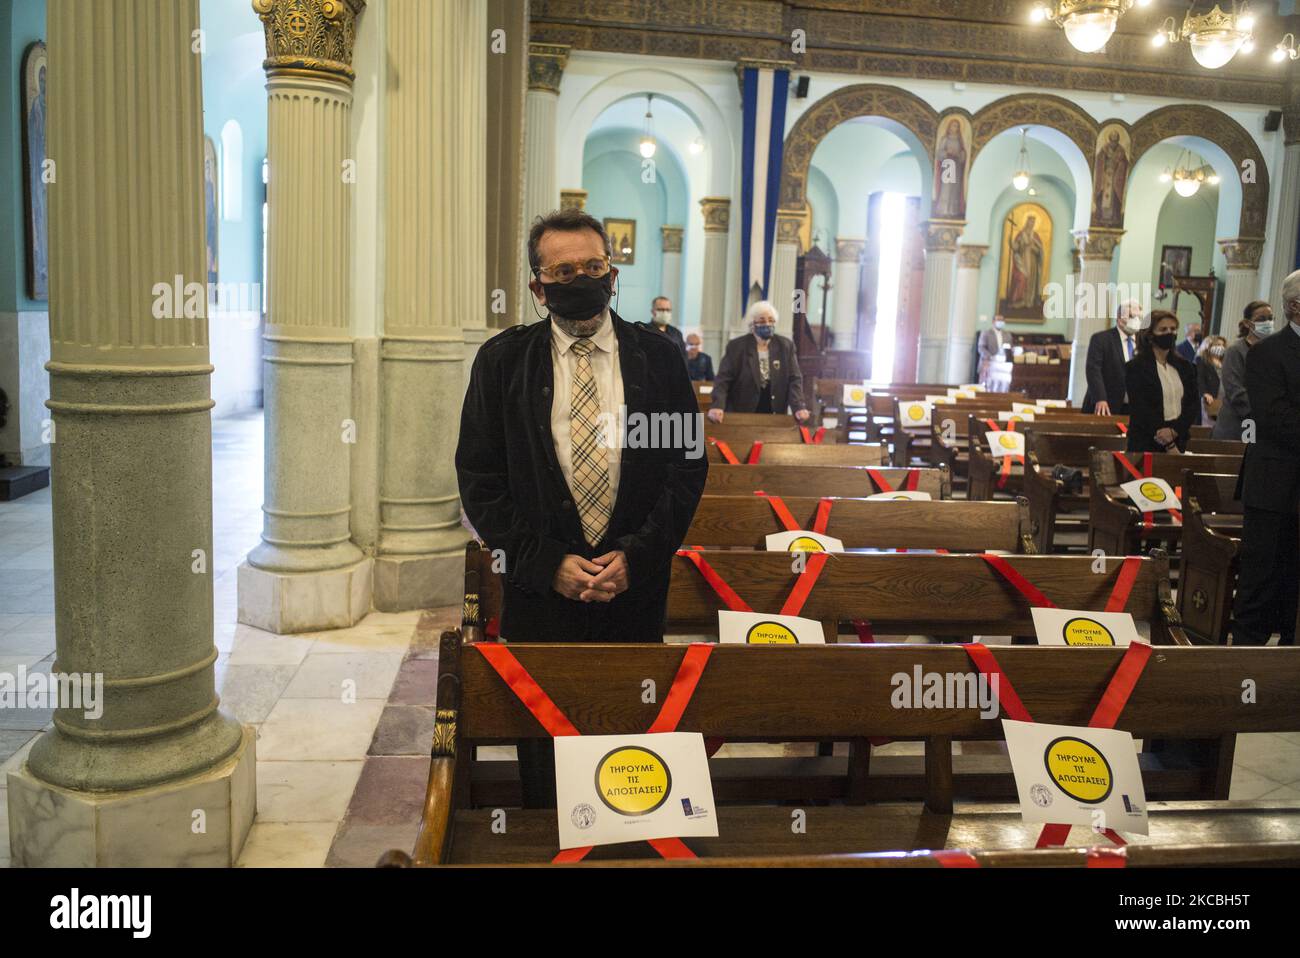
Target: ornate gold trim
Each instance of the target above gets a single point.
(546, 63)
(310, 38)
(444, 734)
(573, 199)
(717, 213)
(672, 238)
(970, 255)
(942, 235)
(1242, 252)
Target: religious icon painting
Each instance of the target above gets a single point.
(1026, 262)
(1110, 175)
(622, 238)
(35, 64)
(951, 163)
(210, 208)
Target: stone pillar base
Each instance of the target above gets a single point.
(158, 827)
(403, 583)
(284, 603)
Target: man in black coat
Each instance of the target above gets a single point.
(1108, 353)
(515, 466)
(1269, 579)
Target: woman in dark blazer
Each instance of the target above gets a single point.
(1163, 401)
(759, 371)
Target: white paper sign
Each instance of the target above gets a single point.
(1005, 443)
(755, 628)
(830, 422)
(936, 399)
(1081, 627)
(1151, 495)
(627, 788)
(914, 413)
(1027, 407)
(961, 394)
(800, 540)
(706, 390)
(854, 394)
(1054, 403)
(971, 387)
(1004, 416)
(902, 494)
(1076, 776)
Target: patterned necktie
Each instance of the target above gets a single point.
(590, 469)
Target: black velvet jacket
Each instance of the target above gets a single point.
(516, 498)
(1146, 402)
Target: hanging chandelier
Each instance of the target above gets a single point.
(1215, 37)
(1021, 178)
(1088, 24)
(1189, 173)
(647, 145)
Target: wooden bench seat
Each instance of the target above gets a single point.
(851, 482)
(731, 521)
(790, 454)
(844, 692)
(1115, 525)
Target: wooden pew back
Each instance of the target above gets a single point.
(849, 482)
(733, 521)
(1107, 471)
(843, 454)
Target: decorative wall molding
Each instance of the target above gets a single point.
(942, 235)
(546, 63)
(1097, 243)
(849, 250)
(972, 41)
(970, 255)
(573, 199)
(672, 238)
(717, 213)
(1242, 252)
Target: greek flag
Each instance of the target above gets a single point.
(764, 140)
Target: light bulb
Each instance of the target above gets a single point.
(696, 147)
(1213, 179)
(1165, 177)
(1088, 32)
(1020, 180)
(1144, 3)
(1038, 14)
(1186, 186)
(1214, 50)
(647, 147)
(1246, 23)
(1159, 40)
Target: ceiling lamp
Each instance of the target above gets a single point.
(1215, 37)
(1021, 178)
(1285, 49)
(648, 145)
(1088, 24)
(1188, 178)
(697, 146)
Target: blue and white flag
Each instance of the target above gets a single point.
(760, 188)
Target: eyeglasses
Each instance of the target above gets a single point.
(568, 272)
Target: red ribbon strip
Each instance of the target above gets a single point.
(1004, 473)
(727, 454)
(1148, 518)
(779, 507)
(725, 592)
(555, 722)
(1124, 579)
(1123, 429)
(794, 602)
(1107, 857)
(957, 858)
(755, 453)
(882, 484)
(811, 439)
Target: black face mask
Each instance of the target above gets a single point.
(1165, 340)
(579, 300)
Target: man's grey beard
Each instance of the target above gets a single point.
(581, 328)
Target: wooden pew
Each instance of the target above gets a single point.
(1115, 525)
(950, 431)
(731, 521)
(848, 482)
(791, 454)
(838, 692)
(740, 438)
(1051, 508)
(1207, 575)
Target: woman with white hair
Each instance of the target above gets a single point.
(759, 371)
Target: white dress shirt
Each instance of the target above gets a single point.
(1171, 388)
(609, 387)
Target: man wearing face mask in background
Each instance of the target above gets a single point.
(698, 363)
(661, 321)
(586, 527)
(1191, 343)
(1269, 581)
(1109, 351)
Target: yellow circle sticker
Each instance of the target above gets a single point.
(1007, 442)
(1079, 769)
(1152, 491)
(1083, 631)
(902, 496)
(633, 781)
(916, 413)
(770, 633)
(1015, 419)
(858, 395)
(805, 544)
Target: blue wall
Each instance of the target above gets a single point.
(21, 23)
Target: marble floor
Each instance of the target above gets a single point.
(343, 717)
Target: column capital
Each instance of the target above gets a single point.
(717, 213)
(1097, 243)
(759, 64)
(848, 249)
(312, 38)
(789, 222)
(942, 235)
(546, 63)
(573, 199)
(1242, 252)
(970, 255)
(672, 238)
